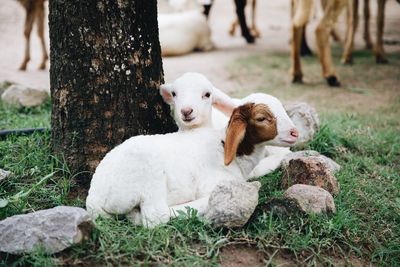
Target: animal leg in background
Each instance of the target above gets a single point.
(366, 33)
(322, 33)
(380, 55)
(352, 23)
(301, 10)
(240, 5)
(29, 19)
(40, 24)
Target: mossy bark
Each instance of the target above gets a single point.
(105, 73)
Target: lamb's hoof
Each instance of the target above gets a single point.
(297, 78)
(332, 81)
(42, 66)
(368, 46)
(249, 39)
(381, 60)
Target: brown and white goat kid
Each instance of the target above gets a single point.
(192, 98)
(151, 178)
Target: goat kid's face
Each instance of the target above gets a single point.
(287, 131)
(191, 98)
(249, 125)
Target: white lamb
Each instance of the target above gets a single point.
(183, 32)
(151, 178)
(186, 97)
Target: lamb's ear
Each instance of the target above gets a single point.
(166, 93)
(222, 102)
(234, 135)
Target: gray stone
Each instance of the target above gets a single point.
(4, 174)
(306, 120)
(53, 229)
(311, 199)
(330, 163)
(231, 204)
(20, 95)
(311, 171)
(4, 85)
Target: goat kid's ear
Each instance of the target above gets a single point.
(234, 136)
(222, 102)
(166, 93)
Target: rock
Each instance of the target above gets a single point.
(23, 96)
(311, 199)
(4, 85)
(282, 206)
(311, 171)
(330, 163)
(306, 120)
(4, 174)
(53, 229)
(231, 204)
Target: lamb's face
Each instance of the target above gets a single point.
(287, 133)
(190, 97)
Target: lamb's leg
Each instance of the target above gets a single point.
(154, 210)
(366, 33)
(352, 23)
(240, 5)
(40, 23)
(272, 161)
(332, 12)
(30, 17)
(380, 55)
(200, 205)
(135, 216)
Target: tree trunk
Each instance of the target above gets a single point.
(105, 72)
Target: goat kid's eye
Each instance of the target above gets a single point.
(173, 94)
(207, 95)
(260, 119)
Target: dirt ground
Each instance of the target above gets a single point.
(273, 21)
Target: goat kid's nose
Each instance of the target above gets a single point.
(294, 132)
(186, 111)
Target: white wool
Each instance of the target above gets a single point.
(150, 178)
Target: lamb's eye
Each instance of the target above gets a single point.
(207, 95)
(260, 119)
(173, 94)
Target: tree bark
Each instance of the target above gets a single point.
(105, 73)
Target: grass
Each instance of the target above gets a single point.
(364, 141)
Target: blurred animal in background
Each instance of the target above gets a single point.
(183, 27)
(351, 28)
(253, 29)
(34, 12)
(352, 23)
(300, 16)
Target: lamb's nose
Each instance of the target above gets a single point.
(186, 111)
(294, 132)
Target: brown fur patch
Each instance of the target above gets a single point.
(250, 124)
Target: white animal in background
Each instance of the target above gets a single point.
(151, 178)
(184, 32)
(186, 95)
